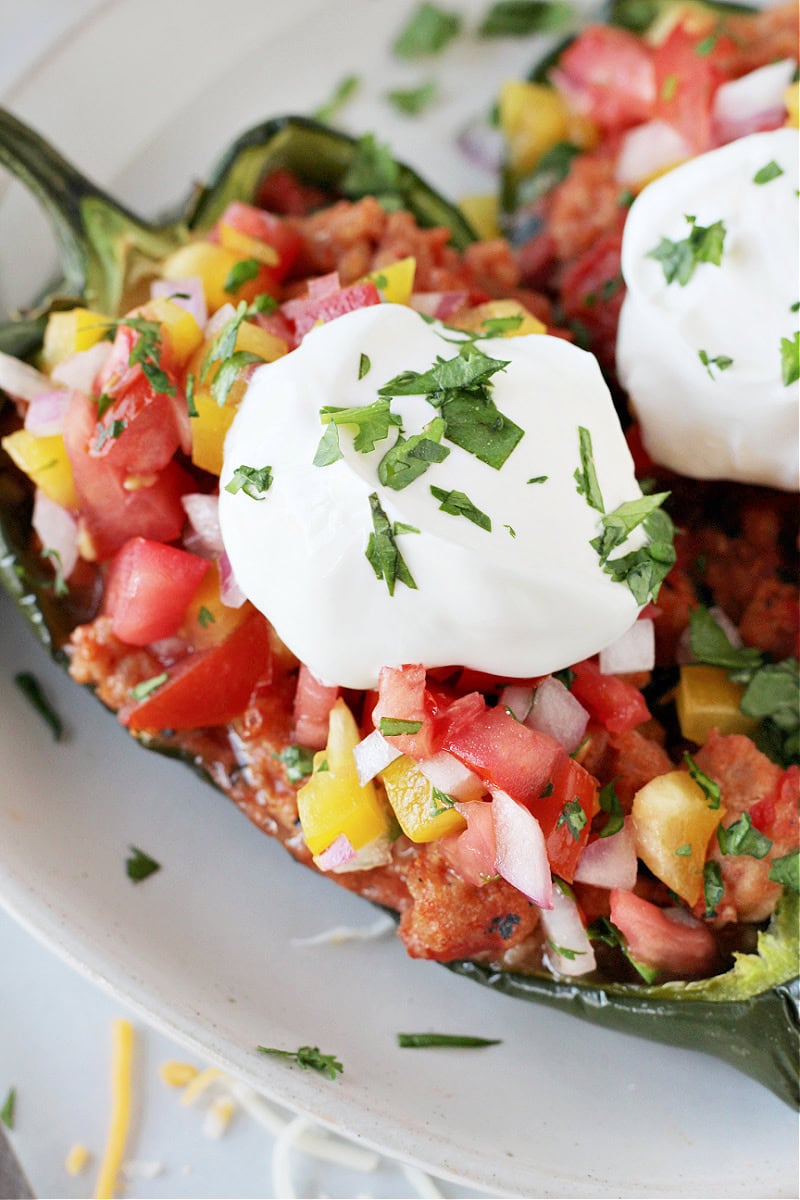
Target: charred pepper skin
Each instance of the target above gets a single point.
(103, 246)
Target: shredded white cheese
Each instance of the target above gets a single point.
(349, 933)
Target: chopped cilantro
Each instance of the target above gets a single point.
(626, 198)
(564, 951)
(140, 866)
(146, 351)
(382, 553)
(255, 482)
(241, 273)
(602, 930)
(394, 726)
(109, 432)
(344, 90)
(610, 804)
(415, 1040)
(373, 171)
(410, 457)
(309, 1058)
(511, 530)
(679, 259)
(713, 887)
(328, 450)
(7, 1112)
(771, 171)
(229, 372)
(191, 407)
(522, 18)
(721, 362)
(669, 88)
(573, 816)
(741, 837)
(795, 307)
(539, 479)
(709, 786)
(645, 569)
(413, 101)
(710, 644)
(684, 851)
(205, 617)
(440, 802)
(704, 47)
(617, 525)
(458, 504)
(500, 326)
(104, 402)
(143, 689)
(790, 359)
(586, 476)
(364, 365)
(30, 687)
(427, 31)
(372, 422)
(60, 587)
(771, 697)
(299, 762)
(786, 871)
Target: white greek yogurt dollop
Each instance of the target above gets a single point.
(526, 598)
(716, 419)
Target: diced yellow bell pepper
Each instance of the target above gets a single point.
(245, 246)
(44, 460)
(208, 621)
(181, 328)
(474, 319)
(68, 332)
(333, 802)
(213, 264)
(674, 823)
(395, 282)
(707, 699)
(421, 814)
(213, 421)
(791, 98)
(481, 212)
(534, 118)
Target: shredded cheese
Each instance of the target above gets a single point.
(218, 1117)
(282, 1183)
(177, 1074)
(349, 933)
(201, 1082)
(121, 1071)
(423, 1183)
(77, 1159)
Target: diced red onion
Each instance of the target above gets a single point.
(635, 650)
(78, 371)
(338, 854)
(682, 916)
(748, 99)
(57, 530)
(482, 144)
(610, 862)
(188, 293)
(647, 149)
(322, 286)
(451, 776)
(372, 755)
(204, 537)
(21, 381)
(569, 951)
(521, 851)
(45, 414)
(518, 700)
(230, 593)
(440, 305)
(219, 319)
(169, 649)
(557, 712)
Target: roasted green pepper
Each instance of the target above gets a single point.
(748, 1016)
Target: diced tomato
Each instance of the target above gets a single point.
(453, 716)
(210, 687)
(506, 754)
(607, 73)
(402, 696)
(472, 853)
(266, 227)
(685, 86)
(149, 425)
(592, 291)
(674, 947)
(776, 814)
(149, 588)
(277, 324)
(313, 702)
(110, 512)
(305, 313)
(282, 192)
(565, 815)
(613, 702)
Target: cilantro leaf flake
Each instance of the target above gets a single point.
(372, 421)
(255, 482)
(427, 31)
(458, 504)
(382, 551)
(309, 1058)
(410, 457)
(140, 866)
(790, 359)
(679, 260)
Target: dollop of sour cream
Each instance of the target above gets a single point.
(707, 362)
(526, 597)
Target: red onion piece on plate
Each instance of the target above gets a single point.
(610, 862)
(635, 650)
(78, 371)
(45, 414)
(569, 950)
(57, 530)
(338, 854)
(204, 537)
(451, 776)
(188, 293)
(557, 712)
(230, 593)
(372, 755)
(21, 381)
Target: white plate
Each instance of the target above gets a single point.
(205, 948)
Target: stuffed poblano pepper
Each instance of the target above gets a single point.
(315, 491)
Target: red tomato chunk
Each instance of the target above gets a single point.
(149, 588)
